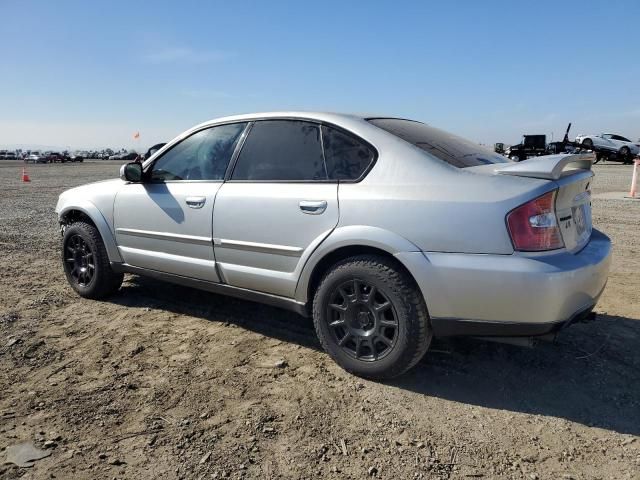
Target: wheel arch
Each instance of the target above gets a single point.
(89, 212)
(345, 242)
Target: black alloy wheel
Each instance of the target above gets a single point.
(86, 263)
(370, 316)
(79, 260)
(362, 320)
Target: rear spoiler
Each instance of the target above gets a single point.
(549, 167)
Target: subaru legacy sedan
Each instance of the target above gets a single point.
(386, 231)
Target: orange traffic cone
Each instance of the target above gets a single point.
(634, 178)
(25, 175)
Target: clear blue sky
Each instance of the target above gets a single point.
(90, 74)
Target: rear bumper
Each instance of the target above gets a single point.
(510, 295)
(448, 327)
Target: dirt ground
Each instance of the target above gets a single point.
(166, 382)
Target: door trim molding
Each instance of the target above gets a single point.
(175, 237)
(219, 288)
(259, 247)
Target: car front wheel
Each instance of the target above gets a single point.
(370, 317)
(86, 264)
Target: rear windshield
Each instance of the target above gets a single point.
(447, 147)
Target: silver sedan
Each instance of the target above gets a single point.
(387, 231)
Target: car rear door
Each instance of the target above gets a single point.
(620, 141)
(276, 207)
(164, 223)
(606, 142)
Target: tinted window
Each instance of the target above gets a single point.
(347, 158)
(443, 145)
(619, 137)
(202, 156)
(281, 150)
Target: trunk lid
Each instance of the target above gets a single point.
(573, 175)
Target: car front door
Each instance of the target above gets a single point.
(164, 223)
(275, 209)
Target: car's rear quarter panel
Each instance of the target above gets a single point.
(436, 206)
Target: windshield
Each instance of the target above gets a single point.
(445, 146)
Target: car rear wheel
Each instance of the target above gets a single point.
(370, 317)
(625, 154)
(86, 264)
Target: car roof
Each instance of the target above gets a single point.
(328, 117)
(321, 116)
(356, 123)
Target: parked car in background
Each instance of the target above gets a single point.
(153, 150)
(55, 157)
(624, 148)
(77, 157)
(10, 155)
(386, 231)
(36, 157)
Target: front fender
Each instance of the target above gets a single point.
(89, 209)
(353, 235)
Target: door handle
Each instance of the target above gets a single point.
(196, 202)
(313, 207)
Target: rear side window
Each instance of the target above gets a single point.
(449, 148)
(286, 150)
(201, 156)
(347, 158)
(620, 138)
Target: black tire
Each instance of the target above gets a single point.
(86, 263)
(587, 143)
(381, 351)
(625, 154)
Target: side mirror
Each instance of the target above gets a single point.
(131, 172)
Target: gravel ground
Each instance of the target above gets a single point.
(166, 382)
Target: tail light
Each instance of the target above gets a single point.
(533, 226)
